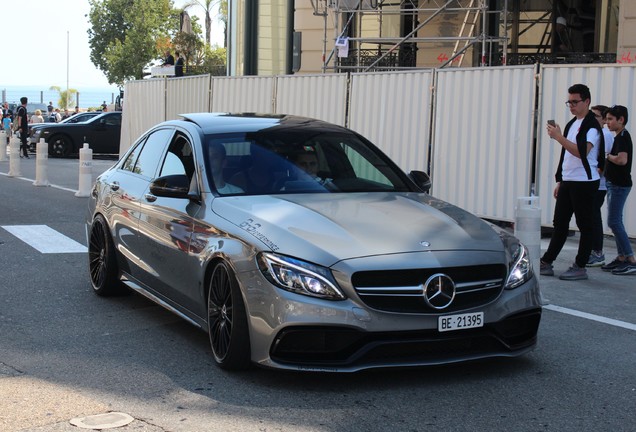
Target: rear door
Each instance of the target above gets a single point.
(129, 184)
(104, 134)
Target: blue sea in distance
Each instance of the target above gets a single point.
(89, 97)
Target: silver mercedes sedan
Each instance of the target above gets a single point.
(297, 244)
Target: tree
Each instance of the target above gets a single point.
(67, 97)
(223, 18)
(207, 5)
(126, 36)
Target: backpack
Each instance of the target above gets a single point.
(53, 117)
(15, 120)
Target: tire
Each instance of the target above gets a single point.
(227, 320)
(60, 146)
(102, 262)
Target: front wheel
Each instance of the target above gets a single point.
(59, 146)
(227, 320)
(102, 262)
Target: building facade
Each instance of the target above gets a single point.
(272, 37)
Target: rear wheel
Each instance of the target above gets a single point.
(59, 146)
(102, 262)
(227, 320)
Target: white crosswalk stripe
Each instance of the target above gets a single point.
(45, 239)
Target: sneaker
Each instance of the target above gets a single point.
(626, 268)
(596, 259)
(546, 269)
(574, 273)
(611, 266)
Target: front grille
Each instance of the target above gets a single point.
(402, 291)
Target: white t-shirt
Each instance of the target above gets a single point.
(573, 169)
(609, 142)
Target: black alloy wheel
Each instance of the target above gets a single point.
(227, 321)
(59, 146)
(102, 262)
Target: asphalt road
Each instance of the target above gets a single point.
(66, 353)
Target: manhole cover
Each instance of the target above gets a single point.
(102, 421)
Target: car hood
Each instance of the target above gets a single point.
(334, 227)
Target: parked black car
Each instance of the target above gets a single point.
(102, 133)
(76, 118)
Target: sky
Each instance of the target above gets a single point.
(45, 25)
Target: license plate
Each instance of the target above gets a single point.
(460, 321)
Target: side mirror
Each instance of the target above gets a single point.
(171, 186)
(421, 180)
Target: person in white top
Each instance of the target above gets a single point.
(577, 179)
(597, 257)
(37, 117)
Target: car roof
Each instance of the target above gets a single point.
(234, 122)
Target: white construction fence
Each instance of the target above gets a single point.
(480, 132)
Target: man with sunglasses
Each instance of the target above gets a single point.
(577, 179)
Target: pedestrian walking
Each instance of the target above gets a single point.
(619, 184)
(597, 257)
(6, 125)
(577, 180)
(23, 126)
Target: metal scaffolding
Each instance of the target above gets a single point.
(468, 32)
(370, 49)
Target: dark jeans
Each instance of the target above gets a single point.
(597, 241)
(573, 198)
(616, 197)
(24, 134)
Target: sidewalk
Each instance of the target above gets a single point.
(591, 291)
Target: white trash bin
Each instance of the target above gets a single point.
(528, 227)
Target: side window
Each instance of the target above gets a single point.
(179, 158)
(129, 163)
(147, 164)
(114, 120)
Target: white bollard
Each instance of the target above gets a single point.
(85, 171)
(41, 161)
(528, 226)
(14, 158)
(3, 145)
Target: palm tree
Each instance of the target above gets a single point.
(207, 5)
(66, 96)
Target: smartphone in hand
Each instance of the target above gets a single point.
(551, 122)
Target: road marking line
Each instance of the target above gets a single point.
(51, 185)
(45, 239)
(610, 321)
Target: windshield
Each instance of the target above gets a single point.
(287, 161)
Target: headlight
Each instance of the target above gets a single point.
(520, 267)
(299, 276)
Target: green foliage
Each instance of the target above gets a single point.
(189, 45)
(67, 97)
(127, 35)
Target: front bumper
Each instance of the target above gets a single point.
(346, 349)
(291, 331)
